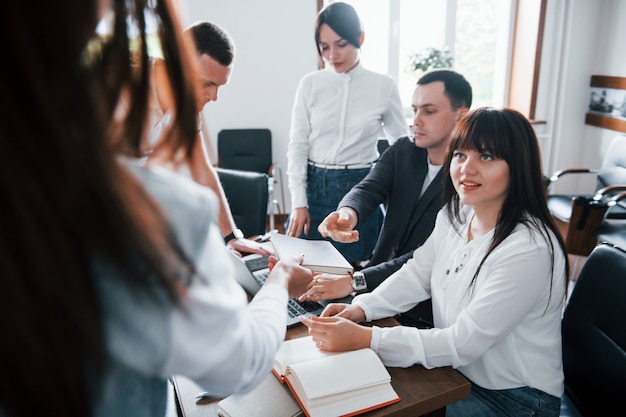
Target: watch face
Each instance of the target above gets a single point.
(238, 233)
(358, 281)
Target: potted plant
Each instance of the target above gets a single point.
(429, 58)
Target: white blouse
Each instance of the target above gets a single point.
(503, 332)
(337, 119)
(214, 336)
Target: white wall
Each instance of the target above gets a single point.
(274, 49)
(583, 38)
(610, 59)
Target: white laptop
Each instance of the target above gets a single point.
(252, 271)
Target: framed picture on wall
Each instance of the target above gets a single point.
(607, 103)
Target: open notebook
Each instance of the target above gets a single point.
(251, 273)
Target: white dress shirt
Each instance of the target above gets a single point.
(337, 119)
(502, 333)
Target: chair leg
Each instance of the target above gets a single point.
(271, 214)
(270, 209)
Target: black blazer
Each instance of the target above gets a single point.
(396, 181)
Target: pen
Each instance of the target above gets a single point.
(204, 397)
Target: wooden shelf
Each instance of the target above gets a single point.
(606, 122)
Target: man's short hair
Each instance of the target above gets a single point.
(214, 41)
(456, 87)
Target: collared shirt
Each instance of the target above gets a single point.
(337, 119)
(503, 332)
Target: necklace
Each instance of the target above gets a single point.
(461, 264)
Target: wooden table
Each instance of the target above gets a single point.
(422, 391)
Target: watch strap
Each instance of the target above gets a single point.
(235, 234)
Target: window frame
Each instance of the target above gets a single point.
(522, 65)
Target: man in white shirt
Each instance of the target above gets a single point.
(216, 53)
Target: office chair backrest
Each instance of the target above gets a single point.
(247, 196)
(613, 169)
(245, 149)
(594, 334)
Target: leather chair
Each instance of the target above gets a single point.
(251, 150)
(245, 149)
(613, 232)
(578, 216)
(594, 336)
(247, 196)
(611, 178)
(590, 223)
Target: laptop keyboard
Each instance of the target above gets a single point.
(295, 308)
(255, 264)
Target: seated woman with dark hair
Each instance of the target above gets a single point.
(495, 266)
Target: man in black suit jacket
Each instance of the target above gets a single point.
(407, 180)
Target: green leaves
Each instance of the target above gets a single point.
(429, 58)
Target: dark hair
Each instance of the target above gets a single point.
(67, 201)
(343, 19)
(214, 41)
(456, 87)
(506, 134)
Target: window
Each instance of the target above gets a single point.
(477, 32)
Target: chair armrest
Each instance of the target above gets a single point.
(616, 198)
(607, 197)
(558, 174)
(548, 181)
(609, 191)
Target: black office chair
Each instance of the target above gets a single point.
(251, 150)
(247, 196)
(594, 336)
(578, 216)
(245, 149)
(613, 231)
(611, 178)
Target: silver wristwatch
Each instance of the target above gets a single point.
(358, 282)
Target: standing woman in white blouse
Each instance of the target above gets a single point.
(338, 116)
(496, 268)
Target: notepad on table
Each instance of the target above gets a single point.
(333, 384)
(269, 399)
(319, 255)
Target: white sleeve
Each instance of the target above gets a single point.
(298, 148)
(405, 288)
(394, 124)
(225, 344)
(511, 287)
